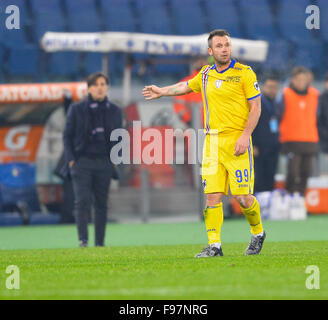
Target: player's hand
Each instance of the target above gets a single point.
(152, 92)
(241, 145)
(71, 163)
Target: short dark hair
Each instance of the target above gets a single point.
(93, 77)
(270, 77)
(216, 32)
(298, 70)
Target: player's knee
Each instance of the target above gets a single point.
(245, 201)
(213, 199)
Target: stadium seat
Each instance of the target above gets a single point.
(83, 16)
(93, 62)
(13, 38)
(309, 55)
(291, 21)
(188, 17)
(1, 62)
(174, 69)
(279, 56)
(153, 19)
(45, 22)
(17, 183)
(45, 6)
(258, 19)
(160, 69)
(157, 22)
(145, 3)
(223, 16)
(323, 5)
(44, 219)
(118, 15)
(64, 63)
(116, 66)
(23, 62)
(48, 17)
(10, 219)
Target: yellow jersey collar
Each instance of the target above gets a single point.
(231, 65)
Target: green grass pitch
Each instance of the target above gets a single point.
(155, 261)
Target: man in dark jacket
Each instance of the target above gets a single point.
(266, 138)
(87, 148)
(67, 207)
(322, 121)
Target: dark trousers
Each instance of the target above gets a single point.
(67, 212)
(299, 169)
(265, 167)
(91, 181)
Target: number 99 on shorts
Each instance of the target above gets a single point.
(242, 176)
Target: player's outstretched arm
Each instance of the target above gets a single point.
(154, 92)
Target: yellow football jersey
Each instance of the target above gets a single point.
(225, 95)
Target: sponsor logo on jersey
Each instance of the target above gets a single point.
(233, 79)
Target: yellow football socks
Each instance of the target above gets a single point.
(213, 222)
(253, 217)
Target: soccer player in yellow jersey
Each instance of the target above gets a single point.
(232, 107)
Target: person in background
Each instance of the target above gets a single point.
(182, 103)
(87, 149)
(323, 118)
(182, 106)
(67, 207)
(298, 129)
(266, 138)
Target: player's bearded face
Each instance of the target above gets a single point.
(220, 49)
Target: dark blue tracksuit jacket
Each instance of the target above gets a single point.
(78, 127)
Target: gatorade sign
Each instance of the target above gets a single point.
(41, 92)
(313, 197)
(16, 138)
(317, 200)
(20, 143)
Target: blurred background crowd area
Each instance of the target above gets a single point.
(281, 23)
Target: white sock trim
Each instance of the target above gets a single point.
(216, 245)
(259, 234)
